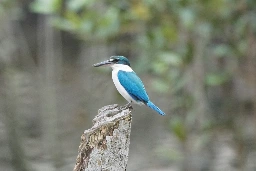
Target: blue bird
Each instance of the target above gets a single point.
(128, 84)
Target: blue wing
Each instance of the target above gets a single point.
(133, 85)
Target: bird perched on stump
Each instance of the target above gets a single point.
(128, 84)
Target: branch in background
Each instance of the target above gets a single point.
(105, 146)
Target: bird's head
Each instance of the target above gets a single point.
(114, 60)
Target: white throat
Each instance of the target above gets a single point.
(122, 67)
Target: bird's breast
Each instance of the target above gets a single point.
(119, 87)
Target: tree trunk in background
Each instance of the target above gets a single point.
(251, 72)
(11, 90)
(12, 123)
(49, 69)
(105, 146)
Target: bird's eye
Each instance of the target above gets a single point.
(115, 60)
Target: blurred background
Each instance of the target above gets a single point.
(197, 59)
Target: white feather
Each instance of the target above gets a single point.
(119, 87)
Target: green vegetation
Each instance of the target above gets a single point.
(199, 56)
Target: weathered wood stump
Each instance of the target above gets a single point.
(105, 146)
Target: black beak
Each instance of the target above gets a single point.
(103, 63)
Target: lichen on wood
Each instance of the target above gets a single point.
(105, 146)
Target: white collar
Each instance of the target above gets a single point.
(121, 67)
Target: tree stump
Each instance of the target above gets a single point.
(105, 146)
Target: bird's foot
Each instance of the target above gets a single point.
(127, 106)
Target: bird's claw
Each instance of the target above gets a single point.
(127, 106)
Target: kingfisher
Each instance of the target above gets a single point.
(128, 84)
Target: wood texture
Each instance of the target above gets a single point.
(105, 146)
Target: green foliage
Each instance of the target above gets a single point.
(189, 47)
(216, 79)
(77, 5)
(178, 128)
(10, 9)
(168, 34)
(46, 6)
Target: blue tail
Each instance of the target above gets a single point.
(154, 107)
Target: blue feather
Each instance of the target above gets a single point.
(135, 88)
(133, 85)
(154, 107)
